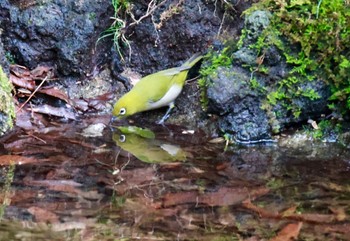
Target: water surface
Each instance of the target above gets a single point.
(60, 183)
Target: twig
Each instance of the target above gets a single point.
(38, 138)
(31, 96)
(193, 79)
(151, 8)
(221, 24)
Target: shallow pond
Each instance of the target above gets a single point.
(63, 182)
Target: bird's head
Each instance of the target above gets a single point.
(126, 106)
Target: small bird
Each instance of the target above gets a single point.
(154, 91)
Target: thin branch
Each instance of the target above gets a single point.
(151, 8)
(31, 96)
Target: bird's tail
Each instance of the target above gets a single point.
(192, 61)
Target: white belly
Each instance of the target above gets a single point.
(168, 98)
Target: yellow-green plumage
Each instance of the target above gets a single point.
(154, 90)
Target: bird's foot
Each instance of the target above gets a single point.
(167, 114)
(164, 118)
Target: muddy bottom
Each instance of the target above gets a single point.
(65, 183)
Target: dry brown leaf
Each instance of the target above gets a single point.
(339, 228)
(79, 104)
(24, 82)
(289, 232)
(54, 92)
(54, 111)
(290, 211)
(225, 196)
(41, 71)
(42, 215)
(339, 212)
(306, 217)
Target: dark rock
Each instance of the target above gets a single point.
(310, 109)
(245, 55)
(231, 97)
(255, 23)
(166, 42)
(243, 109)
(56, 33)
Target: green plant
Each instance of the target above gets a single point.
(324, 129)
(255, 85)
(116, 29)
(10, 58)
(213, 60)
(316, 44)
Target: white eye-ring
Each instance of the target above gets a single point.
(122, 138)
(122, 111)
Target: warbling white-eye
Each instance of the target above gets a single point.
(154, 91)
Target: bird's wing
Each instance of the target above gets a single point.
(155, 85)
(175, 71)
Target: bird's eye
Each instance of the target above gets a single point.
(122, 138)
(122, 111)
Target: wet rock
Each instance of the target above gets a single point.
(310, 109)
(231, 97)
(243, 108)
(175, 31)
(56, 33)
(255, 23)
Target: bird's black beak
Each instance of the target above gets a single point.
(114, 118)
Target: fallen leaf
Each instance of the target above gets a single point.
(42, 215)
(225, 196)
(54, 92)
(99, 102)
(24, 82)
(305, 217)
(339, 212)
(289, 232)
(171, 199)
(41, 71)
(290, 211)
(54, 111)
(79, 104)
(340, 228)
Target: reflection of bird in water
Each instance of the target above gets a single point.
(148, 149)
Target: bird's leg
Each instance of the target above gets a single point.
(167, 114)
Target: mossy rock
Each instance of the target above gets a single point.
(7, 107)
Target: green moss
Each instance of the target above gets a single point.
(255, 85)
(325, 129)
(313, 38)
(213, 60)
(316, 45)
(10, 58)
(6, 104)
